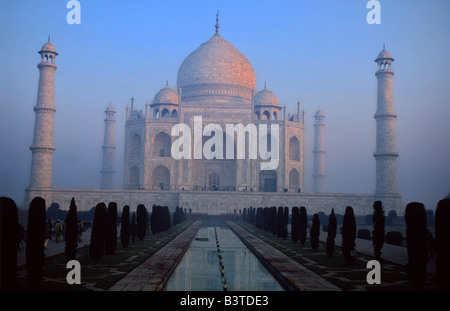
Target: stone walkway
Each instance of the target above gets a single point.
(301, 278)
(156, 270)
(392, 253)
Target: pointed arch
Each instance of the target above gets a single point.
(135, 145)
(162, 144)
(161, 178)
(294, 149)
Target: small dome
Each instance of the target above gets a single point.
(166, 95)
(110, 109)
(384, 55)
(265, 98)
(48, 47)
(319, 113)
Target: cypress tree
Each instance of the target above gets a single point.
(244, 215)
(295, 226)
(259, 218)
(332, 228)
(266, 219)
(285, 222)
(125, 227)
(9, 222)
(348, 235)
(303, 225)
(280, 220)
(133, 227)
(111, 229)
(442, 242)
(273, 220)
(71, 231)
(141, 221)
(315, 232)
(97, 246)
(166, 218)
(378, 220)
(416, 241)
(35, 241)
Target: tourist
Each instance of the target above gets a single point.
(49, 223)
(46, 235)
(21, 236)
(58, 230)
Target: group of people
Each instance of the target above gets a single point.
(58, 229)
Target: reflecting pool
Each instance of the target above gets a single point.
(200, 269)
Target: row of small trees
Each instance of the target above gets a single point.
(104, 228)
(103, 235)
(416, 234)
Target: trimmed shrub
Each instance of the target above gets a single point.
(394, 238)
(141, 221)
(266, 219)
(280, 221)
(259, 218)
(364, 234)
(178, 216)
(378, 220)
(35, 241)
(303, 225)
(349, 235)
(332, 228)
(97, 246)
(285, 222)
(166, 224)
(416, 237)
(111, 229)
(315, 232)
(295, 227)
(273, 220)
(133, 227)
(155, 219)
(9, 222)
(125, 227)
(244, 215)
(442, 242)
(71, 232)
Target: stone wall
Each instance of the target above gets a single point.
(216, 202)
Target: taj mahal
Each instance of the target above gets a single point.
(217, 83)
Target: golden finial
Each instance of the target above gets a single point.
(217, 22)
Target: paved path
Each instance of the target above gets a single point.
(297, 275)
(156, 270)
(55, 248)
(393, 253)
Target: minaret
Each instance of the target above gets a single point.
(42, 148)
(319, 177)
(385, 154)
(108, 150)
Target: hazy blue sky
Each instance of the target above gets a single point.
(318, 51)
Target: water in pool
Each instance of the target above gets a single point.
(201, 270)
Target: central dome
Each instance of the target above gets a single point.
(216, 68)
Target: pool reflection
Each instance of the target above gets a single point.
(199, 269)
